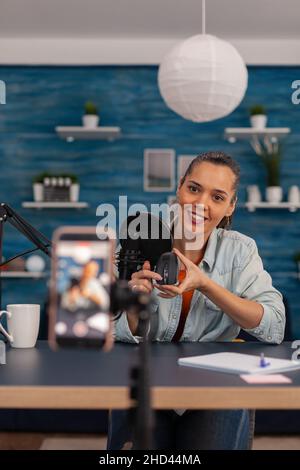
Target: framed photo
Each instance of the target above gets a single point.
(183, 164)
(159, 170)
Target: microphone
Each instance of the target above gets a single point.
(129, 258)
(138, 245)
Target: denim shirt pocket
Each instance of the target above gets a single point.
(213, 316)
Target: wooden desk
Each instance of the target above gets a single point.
(41, 378)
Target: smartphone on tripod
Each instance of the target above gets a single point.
(81, 278)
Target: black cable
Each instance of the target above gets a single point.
(17, 256)
(29, 233)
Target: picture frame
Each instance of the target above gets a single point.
(159, 170)
(183, 164)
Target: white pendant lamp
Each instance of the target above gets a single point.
(203, 78)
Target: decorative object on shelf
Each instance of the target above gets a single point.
(274, 194)
(38, 191)
(90, 119)
(265, 143)
(74, 192)
(159, 170)
(203, 78)
(258, 117)
(35, 264)
(297, 260)
(294, 195)
(59, 188)
(270, 151)
(254, 194)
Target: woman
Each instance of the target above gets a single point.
(223, 289)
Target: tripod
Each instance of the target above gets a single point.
(140, 412)
(140, 387)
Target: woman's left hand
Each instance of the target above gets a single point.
(194, 279)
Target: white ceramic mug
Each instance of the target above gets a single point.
(23, 321)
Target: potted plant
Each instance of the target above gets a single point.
(90, 119)
(297, 259)
(258, 117)
(272, 161)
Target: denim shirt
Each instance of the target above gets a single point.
(231, 260)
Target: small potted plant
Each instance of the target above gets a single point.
(90, 119)
(272, 163)
(258, 117)
(297, 259)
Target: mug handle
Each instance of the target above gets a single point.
(8, 336)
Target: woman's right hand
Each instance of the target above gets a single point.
(141, 281)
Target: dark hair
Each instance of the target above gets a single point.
(218, 158)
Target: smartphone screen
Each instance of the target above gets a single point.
(82, 290)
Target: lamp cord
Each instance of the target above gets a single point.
(203, 17)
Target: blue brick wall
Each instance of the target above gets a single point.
(40, 98)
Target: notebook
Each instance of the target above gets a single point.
(235, 363)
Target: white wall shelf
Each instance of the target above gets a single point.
(23, 275)
(72, 133)
(252, 206)
(54, 205)
(263, 141)
(232, 134)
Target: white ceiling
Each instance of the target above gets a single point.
(142, 31)
(251, 19)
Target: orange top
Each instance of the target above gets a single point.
(186, 302)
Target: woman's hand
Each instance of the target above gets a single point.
(194, 279)
(141, 281)
(109, 339)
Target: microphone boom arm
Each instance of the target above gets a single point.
(7, 214)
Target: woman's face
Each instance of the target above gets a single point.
(211, 187)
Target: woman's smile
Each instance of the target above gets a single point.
(196, 217)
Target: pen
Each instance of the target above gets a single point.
(263, 362)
